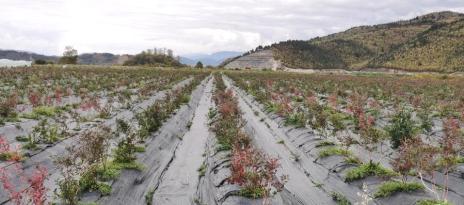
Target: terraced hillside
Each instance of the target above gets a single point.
(426, 43)
(261, 59)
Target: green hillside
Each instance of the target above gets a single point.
(413, 45)
(441, 48)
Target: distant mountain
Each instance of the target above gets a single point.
(24, 55)
(213, 59)
(432, 42)
(85, 58)
(112, 59)
(187, 61)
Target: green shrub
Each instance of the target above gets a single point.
(69, 191)
(391, 187)
(426, 120)
(337, 120)
(185, 98)
(88, 182)
(368, 169)
(122, 126)
(110, 172)
(125, 152)
(402, 128)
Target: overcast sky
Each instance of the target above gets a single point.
(190, 26)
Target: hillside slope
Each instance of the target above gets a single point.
(440, 48)
(430, 42)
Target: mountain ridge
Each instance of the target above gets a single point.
(85, 58)
(213, 59)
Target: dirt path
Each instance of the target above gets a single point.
(180, 181)
(137, 187)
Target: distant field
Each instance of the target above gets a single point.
(10, 63)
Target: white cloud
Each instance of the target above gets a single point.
(190, 26)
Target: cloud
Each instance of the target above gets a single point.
(188, 26)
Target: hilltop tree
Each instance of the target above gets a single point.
(69, 56)
(42, 62)
(152, 58)
(199, 65)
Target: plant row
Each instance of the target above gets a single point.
(251, 169)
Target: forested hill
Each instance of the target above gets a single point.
(433, 42)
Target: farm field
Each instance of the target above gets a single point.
(139, 135)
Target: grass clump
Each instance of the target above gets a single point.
(104, 189)
(149, 196)
(87, 182)
(325, 144)
(369, 169)
(8, 156)
(352, 160)
(202, 170)
(112, 170)
(69, 191)
(253, 192)
(339, 198)
(22, 138)
(139, 149)
(296, 119)
(460, 160)
(431, 202)
(45, 111)
(391, 187)
(185, 98)
(330, 151)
